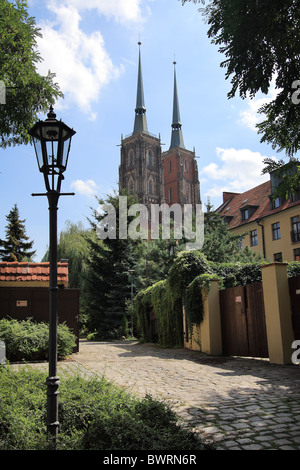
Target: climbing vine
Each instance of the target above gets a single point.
(194, 297)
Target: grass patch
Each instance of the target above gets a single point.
(93, 415)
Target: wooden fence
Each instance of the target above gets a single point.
(33, 302)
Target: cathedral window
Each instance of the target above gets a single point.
(150, 158)
(131, 158)
(170, 166)
(150, 187)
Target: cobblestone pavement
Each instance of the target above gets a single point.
(234, 403)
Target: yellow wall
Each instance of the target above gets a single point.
(283, 245)
(207, 336)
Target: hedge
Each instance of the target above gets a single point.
(27, 340)
(93, 414)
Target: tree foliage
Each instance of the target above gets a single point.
(219, 244)
(260, 40)
(109, 283)
(16, 246)
(27, 93)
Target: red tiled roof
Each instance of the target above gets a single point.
(258, 197)
(13, 271)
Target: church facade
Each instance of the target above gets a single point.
(157, 177)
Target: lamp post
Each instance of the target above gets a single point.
(131, 272)
(52, 141)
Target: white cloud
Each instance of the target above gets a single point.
(86, 188)
(122, 11)
(81, 61)
(236, 171)
(250, 117)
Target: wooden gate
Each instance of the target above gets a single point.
(243, 321)
(294, 287)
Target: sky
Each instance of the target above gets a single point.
(92, 47)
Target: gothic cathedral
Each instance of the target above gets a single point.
(154, 177)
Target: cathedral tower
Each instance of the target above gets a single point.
(140, 170)
(181, 183)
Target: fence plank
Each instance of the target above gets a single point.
(233, 321)
(256, 323)
(294, 288)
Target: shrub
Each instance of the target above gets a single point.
(293, 268)
(237, 274)
(186, 267)
(22, 410)
(27, 340)
(93, 415)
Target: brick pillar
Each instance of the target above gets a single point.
(278, 312)
(211, 337)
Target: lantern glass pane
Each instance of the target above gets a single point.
(51, 147)
(65, 152)
(38, 152)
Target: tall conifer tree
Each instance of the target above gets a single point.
(16, 246)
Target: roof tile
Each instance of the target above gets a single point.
(258, 196)
(25, 271)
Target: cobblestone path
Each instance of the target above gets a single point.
(234, 403)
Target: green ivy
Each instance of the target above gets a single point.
(168, 313)
(194, 297)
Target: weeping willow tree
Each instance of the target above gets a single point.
(73, 246)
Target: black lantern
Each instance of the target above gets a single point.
(52, 141)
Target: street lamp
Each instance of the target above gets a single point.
(52, 141)
(131, 272)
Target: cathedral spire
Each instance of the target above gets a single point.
(140, 122)
(176, 137)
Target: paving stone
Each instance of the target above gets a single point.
(244, 441)
(265, 438)
(281, 442)
(210, 430)
(253, 447)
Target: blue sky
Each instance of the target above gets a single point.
(92, 47)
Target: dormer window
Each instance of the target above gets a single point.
(246, 212)
(275, 203)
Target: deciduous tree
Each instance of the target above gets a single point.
(260, 40)
(24, 92)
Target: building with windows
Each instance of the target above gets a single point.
(155, 177)
(272, 226)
